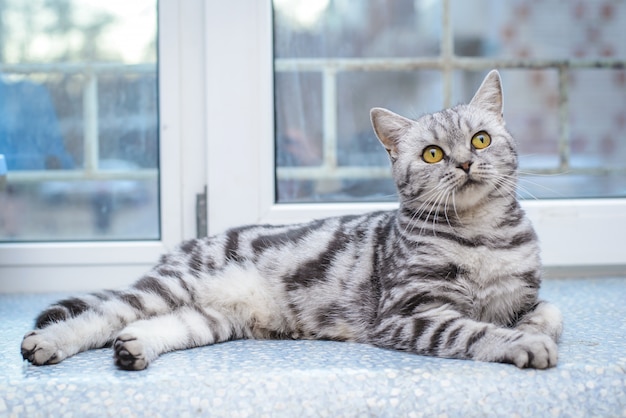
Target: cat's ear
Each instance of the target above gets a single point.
(489, 94)
(389, 128)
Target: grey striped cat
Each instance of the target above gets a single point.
(454, 272)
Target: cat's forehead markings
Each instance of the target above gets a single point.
(445, 127)
(468, 123)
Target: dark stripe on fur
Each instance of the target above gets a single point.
(154, 285)
(473, 339)
(51, 315)
(231, 249)
(453, 336)
(263, 242)
(316, 270)
(447, 272)
(419, 326)
(481, 241)
(382, 233)
(189, 245)
(195, 263)
(532, 278)
(522, 238)
(435, 338)
(75, 306)
(514, 216)
(167, 271)
(103, 296)
(327, 316)
(133, 300)
(407, 306)
(211, 322)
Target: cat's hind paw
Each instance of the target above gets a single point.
(535, 351)
(38, 350)
(129, 353)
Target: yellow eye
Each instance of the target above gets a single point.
(432, 154)
(481, 140)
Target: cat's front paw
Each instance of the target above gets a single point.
(532, 351)
(129, 353)
(545, 319)
(39, 350)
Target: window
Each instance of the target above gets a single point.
(334, 60)
(92, 260)
(79, 121)
(220, 74)
(324, 58)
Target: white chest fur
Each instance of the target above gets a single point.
(494, 282)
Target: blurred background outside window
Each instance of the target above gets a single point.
(79, 120)
(562, 64)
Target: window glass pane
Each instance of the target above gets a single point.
(598, 131)
(328, 60)
(78, 120)
(561, 64)
(548, 29)
(361, 29)
(584, 153)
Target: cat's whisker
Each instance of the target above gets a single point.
(520, 187)
(419, 212)
(542, 186)
(445, 209)
(435, 207)
(428, 200)
(535, 174)
(456, 214)
(522, 190)
(507, 183)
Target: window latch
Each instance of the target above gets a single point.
(201, 214)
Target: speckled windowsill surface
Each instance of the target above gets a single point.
(322, 378)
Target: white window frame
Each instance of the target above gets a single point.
(216, 126)
(584, 235)
(74, 266)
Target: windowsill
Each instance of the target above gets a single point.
(286, 378)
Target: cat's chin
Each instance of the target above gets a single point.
(471, 195)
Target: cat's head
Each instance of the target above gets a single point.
(455, 159)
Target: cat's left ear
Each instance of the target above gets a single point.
(489, 94)
(389, 128)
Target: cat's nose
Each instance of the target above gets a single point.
(465, 166)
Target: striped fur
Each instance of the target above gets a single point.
(454, 272)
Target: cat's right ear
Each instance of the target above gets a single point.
(389, 128)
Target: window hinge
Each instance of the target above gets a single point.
(201, 214)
